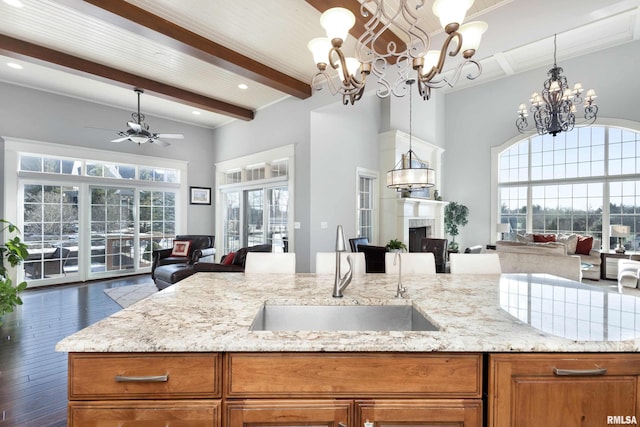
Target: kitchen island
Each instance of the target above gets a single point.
(506, 329)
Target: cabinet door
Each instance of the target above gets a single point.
(419, 413)
(128, 413)
(290, 413)
(563, 390)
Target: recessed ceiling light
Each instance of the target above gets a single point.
(14, 3)
(197, 113)
(14, 65)
(243, 86)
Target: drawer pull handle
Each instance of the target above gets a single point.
(579, 372)
(145, 379)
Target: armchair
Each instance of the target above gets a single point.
(201, 246)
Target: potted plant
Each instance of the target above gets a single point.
(455, 216)
(12, 253)
(395, 245)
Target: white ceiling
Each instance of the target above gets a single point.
(273, 33)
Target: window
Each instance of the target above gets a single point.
(128, 209)
(255, 200)
(366, 199)
(577, 182)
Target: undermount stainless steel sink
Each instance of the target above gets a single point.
(274, 317)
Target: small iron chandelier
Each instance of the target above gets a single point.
(554, 110)
(410, 173)
(389, 62)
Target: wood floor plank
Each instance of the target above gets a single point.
(33, 376)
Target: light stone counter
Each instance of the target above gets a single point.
(212, 312)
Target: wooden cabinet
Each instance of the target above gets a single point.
(119, 389)
(349, 389)
(563, 389)
(275, 389)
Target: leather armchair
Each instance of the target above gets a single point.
(201, 246)
(439, 249)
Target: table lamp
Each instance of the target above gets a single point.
(503, 228)
(619, 231)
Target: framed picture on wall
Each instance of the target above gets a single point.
(200, 195)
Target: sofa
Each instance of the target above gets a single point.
(586, 248)
(167, 275)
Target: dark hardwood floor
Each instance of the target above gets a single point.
(33, 376)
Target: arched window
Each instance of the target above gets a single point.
(577, 182)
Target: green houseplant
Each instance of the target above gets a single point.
(396, 245)
(12, 252)
(455, 216)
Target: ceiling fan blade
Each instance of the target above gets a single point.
(135, 126)
(170, 135)
(120, 139)
(159, 142)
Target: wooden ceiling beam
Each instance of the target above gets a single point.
(30, 52)
(359, 27)
(139, 21)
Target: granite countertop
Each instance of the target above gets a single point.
(212, 312)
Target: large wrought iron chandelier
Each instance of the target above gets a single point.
(554, 109)
(410, 173)
(390, 62)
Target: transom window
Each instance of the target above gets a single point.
(577, 182)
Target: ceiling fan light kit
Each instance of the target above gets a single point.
(139, 133)
(387, 61)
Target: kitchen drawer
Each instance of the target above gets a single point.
(360, 374)
(185, 413)
(144, 376)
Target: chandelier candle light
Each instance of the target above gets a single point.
(554, 109)
(389, 62)
(410, 173)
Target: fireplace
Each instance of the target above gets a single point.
(418, 230)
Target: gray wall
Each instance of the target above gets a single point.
(41, 116)
(482, 117)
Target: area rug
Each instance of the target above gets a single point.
(124, 296)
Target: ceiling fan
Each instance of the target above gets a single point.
(139, 133)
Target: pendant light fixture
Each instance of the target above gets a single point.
(410, 173)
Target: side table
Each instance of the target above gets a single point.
(612, 254)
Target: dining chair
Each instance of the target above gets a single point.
(474, 263)
(270, 262)
(439, 249)
(354, 242)
(326, 263)
(412, 263)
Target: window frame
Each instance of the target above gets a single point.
(605, 178)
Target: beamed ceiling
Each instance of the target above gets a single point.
(192, 55)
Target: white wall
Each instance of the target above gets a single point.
(41, 116)
(482, 117)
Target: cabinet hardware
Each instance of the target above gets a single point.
(579, 372)
(143, 379)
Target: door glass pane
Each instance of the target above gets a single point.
(278, 199)
(112, 229)
(231, 222)
(254, 217)
(50, 231)
(156, 223)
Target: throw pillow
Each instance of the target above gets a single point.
(524, 238)
(228, 260)
(181, 248)
(584, 245)
(543, 238)
(570, 241)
